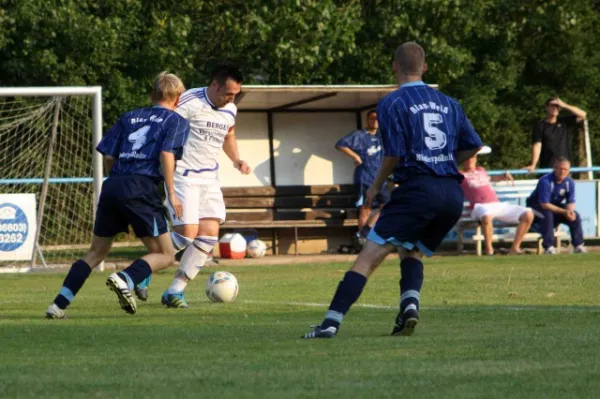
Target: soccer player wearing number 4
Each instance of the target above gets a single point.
(141, 143)
(364, 147)
(425, 134)
(211, 113)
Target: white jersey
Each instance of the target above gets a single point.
(208, 128)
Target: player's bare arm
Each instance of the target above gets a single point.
(536, 149)
(109, 161)
(554, 209)
(167, 162)
(578, 112)
(354, 156)
(505, 177)
(387, 167)
(231, 149)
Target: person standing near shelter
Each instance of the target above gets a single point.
(554, 199)
(551, 137)
(364, 147)
(485, 206)
(425, 134)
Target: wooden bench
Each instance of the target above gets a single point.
(290, 207)
(516, 194)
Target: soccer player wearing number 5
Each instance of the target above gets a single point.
(211, 113)
(425, 134)
(143, 142)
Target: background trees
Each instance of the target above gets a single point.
(501, 59)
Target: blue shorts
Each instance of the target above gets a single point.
(130, 200)
(380, 199)
(420, 213)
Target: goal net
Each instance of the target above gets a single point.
(47, 141)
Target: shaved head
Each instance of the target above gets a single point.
(410, 59)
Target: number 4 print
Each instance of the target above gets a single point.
(138, 138)
(436, 138)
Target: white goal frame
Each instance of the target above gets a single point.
(92, 91)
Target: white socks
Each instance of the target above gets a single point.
(192, 261)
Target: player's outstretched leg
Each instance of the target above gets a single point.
(73, 282)
(411, 281)
(122, 285)
(350, 289)
(160, 255)
(77, 275)
(192, 261)
(179, 244)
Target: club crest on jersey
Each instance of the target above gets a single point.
(372, 150)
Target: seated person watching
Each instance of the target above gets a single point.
(554, 199)
(486, 207)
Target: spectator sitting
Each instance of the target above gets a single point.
(486, 207)
(554, 198)
(365, 148)
(551, 137)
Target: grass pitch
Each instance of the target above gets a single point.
(490, 327)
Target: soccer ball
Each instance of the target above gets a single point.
(221, 287)
(256, 249)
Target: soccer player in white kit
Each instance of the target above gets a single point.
(211, 113)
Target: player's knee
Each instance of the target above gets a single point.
(415, 254)
(169, 255)
(527, 216)
(96, 255)
(486, 219)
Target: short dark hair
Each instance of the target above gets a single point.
(224, 71)
(560, 160)
(410, 58)
(371, 111)
(550, 99)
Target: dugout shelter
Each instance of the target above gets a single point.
(300, 186)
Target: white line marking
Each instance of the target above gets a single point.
(459, 308)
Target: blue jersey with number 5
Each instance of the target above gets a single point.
(424, 128)
(139, 137)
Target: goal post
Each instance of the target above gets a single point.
(48, 137)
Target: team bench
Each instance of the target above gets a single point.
(289, 207)
(506, 192)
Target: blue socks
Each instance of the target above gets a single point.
(411, 281)
(75, 279)
(348, 292)
(137, 272)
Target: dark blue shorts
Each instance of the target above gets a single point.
(382, 197)
(419, 214)
(130, 200)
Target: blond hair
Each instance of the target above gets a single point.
(410, 58)
(166, 87)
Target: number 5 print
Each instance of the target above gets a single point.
(436, 138)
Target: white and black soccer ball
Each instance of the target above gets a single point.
(256, 249)
(221, 287)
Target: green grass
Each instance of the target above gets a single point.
(490, 327)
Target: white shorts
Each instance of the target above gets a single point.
(199, 201)
(502, 211)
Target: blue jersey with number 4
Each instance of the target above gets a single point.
(424, 128)
(139, 137)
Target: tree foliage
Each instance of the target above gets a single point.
(500, 59)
